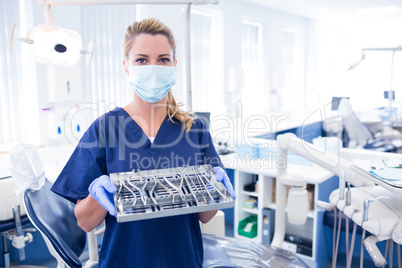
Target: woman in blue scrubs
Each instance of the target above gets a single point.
(149, 133)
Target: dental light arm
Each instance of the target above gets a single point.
(331, 162)
(388, 131)
(122, 2)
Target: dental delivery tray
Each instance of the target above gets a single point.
(166, 192)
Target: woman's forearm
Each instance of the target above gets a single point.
(89, 213)
(206, 216)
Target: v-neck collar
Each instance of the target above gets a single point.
(141, 132)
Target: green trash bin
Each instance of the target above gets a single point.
(248, 227)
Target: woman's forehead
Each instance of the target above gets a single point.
(147, 43)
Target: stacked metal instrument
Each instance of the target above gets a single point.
(167, 192)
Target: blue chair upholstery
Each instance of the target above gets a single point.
(54, 217)
(10, 224)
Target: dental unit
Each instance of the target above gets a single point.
(369, 201)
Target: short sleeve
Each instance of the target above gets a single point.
(208, 151)
(87, 163)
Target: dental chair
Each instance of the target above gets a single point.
(14, 224)
(359, 134)
(54, 217)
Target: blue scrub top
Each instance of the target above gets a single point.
(115, 143)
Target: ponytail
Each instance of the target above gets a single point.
(173, 110)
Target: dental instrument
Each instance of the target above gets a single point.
(349, 247)
(174, 188)
(134, 195)
(341, 196)
(369, 243)
(352, 246)
(375, 254)
(348, 195)
(328, 206)
(195, 185)
(216, 188)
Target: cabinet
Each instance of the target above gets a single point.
(307, 238)
(263, 197)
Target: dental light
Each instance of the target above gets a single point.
(54, 45)
(363, 56)
(354, 65)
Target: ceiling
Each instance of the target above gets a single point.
(324, 9)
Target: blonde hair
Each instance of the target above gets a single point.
(153, 26)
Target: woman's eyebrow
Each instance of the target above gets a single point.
(164, 55)
(142, 55)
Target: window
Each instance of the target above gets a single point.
(206, 63)
(292, 66)
(18, 97)
(253, 68)
(105, 82)
(201, 59)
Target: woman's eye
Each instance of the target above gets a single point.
(140, 60)
(164, 60)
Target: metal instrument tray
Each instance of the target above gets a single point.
(167, 192)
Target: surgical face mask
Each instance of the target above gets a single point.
(152, 82)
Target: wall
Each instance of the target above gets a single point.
(228, 16)
(273, 22)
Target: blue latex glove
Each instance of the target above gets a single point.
(221, 176)
(102, 190)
